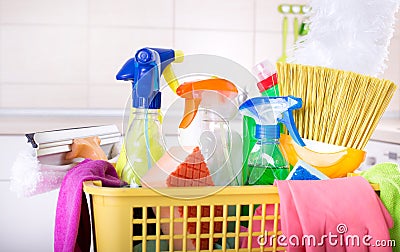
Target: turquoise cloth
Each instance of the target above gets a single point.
(151, 246)
(387, 175)
(230, 244)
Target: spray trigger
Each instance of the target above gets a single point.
(269, 111)
(195, 92)
(287, 119)
(191, 107)
(289, 123)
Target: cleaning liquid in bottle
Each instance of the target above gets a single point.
(143, 143)
(267, 160)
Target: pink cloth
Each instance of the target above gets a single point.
(342, 209)
(72, 226)
(269, 226)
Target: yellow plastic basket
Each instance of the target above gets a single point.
(113, 215)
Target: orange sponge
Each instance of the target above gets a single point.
(194, 172)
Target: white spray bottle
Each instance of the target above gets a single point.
(214, 101)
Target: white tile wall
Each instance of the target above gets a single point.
(99, 95)
(17, 95)
(38, 54)
(234, 45)
(211, 14)
(149, 13)
(393, 73)
(110, 48)
(267, 17)
(75, 47)
(268, 45)
(43, 12)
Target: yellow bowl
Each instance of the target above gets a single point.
(334, 165)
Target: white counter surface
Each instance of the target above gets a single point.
(388, 130)
(16, 122)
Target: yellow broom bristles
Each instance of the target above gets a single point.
(339, 107)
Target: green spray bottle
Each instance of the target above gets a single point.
(266, 161)
(268, 86)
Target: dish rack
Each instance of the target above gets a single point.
(121, 216)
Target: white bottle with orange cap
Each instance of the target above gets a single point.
(214, 102)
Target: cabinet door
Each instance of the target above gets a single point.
(10, 146)
(27, 224)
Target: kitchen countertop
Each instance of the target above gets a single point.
(388, 130)
(17, 122)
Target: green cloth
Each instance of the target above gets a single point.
(387, 175)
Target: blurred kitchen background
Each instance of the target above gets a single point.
(59, 58)
(65, 54)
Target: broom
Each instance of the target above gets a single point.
(339, 107)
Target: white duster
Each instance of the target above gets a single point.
(351, 35)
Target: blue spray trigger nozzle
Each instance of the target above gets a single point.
(273, 110)
(144, 56)
(288, 121)
(127, 72)
(144, 71)
(167, 56)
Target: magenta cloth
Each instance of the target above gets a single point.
(72, 224)
(347, 210)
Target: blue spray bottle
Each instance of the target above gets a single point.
(267, 160)
(143, 144)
